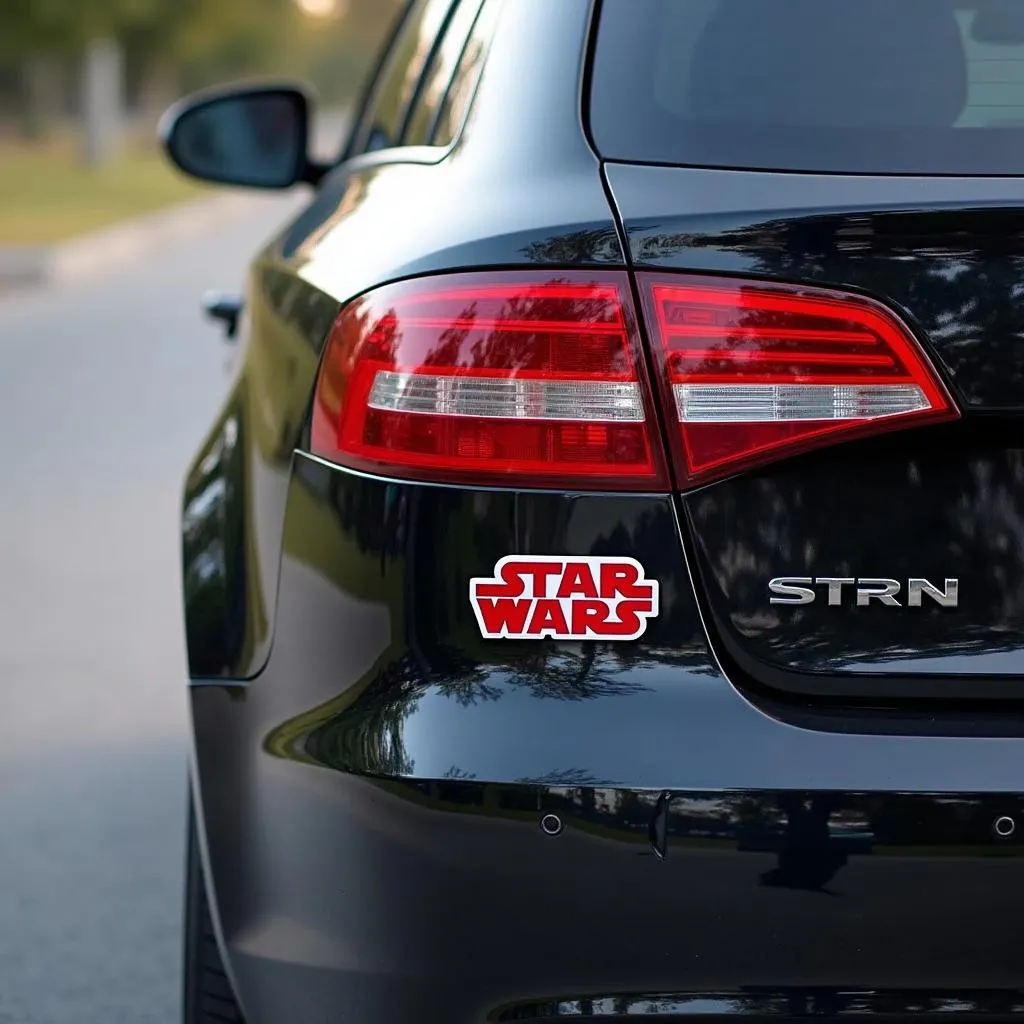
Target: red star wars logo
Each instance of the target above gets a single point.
(564, 598)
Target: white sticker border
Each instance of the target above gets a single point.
(593, 562)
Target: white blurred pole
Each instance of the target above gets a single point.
(102, 101)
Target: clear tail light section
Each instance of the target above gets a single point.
(520, 379)
(753, 373)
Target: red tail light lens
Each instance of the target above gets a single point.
(491, 379)
(527, 380)
(755, 373)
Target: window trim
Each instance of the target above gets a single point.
(481, 8)
(373, 84)
(428, 63)
(436, 118)
(361, 132)
(430, 153)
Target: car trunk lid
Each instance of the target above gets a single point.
(927, 523)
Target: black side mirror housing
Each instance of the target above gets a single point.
(250, 135)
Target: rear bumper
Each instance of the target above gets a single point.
(446, 901)
(371, 804)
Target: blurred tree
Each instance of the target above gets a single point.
(34, 45)
(337, 52)
(187, 44)
(165, 47)
(38, 31)
(41, 93)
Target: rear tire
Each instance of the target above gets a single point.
(207, 997)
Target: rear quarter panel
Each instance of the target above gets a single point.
(512, 191)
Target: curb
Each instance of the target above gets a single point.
(121, 244)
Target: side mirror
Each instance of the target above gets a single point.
(255, 136)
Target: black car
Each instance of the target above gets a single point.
(604, 585)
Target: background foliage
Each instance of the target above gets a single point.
(174, 46)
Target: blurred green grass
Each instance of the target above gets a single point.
(47, 196)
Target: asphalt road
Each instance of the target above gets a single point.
(106, 388)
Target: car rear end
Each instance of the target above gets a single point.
(648, 634)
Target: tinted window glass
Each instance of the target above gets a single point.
(900, 86)
(439, 74)
(382, 124)
(464, 82)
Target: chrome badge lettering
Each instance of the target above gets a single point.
(863, 591)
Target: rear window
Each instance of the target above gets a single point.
(871, 86)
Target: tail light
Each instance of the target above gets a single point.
(754, 373)
(511, 378)
(529, 379)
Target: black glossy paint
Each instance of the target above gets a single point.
(956, 510)
(444, 901)
(338, 888)
(943, 502)
(371, 775)
(948, 253)
(521, 192)
(378, 667)
(234, 497)
(388, 771)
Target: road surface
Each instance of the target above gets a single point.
(106, 388)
